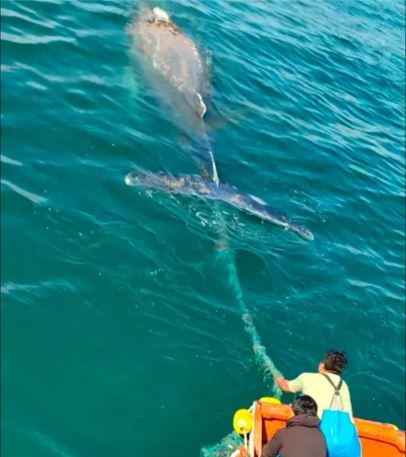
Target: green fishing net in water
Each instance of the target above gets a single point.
(223, 449)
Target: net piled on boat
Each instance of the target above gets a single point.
(223, 449)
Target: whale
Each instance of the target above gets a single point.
(196, 185)
(174, 57)
(179, 76)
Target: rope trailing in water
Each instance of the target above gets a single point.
(226, 254)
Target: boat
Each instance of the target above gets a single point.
(268, 415)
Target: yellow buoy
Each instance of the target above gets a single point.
(272, 400)
(242, 421)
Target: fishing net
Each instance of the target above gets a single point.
(264, 361)
(223, 449)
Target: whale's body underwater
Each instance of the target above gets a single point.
(176, 59)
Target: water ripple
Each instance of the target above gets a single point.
(24, 193)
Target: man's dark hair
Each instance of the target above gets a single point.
(305, 405)
(335, 361)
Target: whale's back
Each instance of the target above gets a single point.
(174, 56)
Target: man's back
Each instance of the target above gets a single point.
(318, 387)
(300, 438)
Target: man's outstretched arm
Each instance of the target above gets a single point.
(282, 383)
(296, 385)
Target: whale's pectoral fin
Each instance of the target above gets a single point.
(221, 120)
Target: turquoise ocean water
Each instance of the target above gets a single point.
(120, 333)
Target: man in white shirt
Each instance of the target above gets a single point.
(326, 386)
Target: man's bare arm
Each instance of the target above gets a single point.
(282, 383)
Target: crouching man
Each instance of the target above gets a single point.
(302, 436)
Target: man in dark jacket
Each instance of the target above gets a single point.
(301, 437)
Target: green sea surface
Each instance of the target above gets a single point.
(120, 332)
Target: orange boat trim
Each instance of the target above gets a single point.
(377, 439)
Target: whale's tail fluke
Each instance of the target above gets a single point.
(197, 186)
